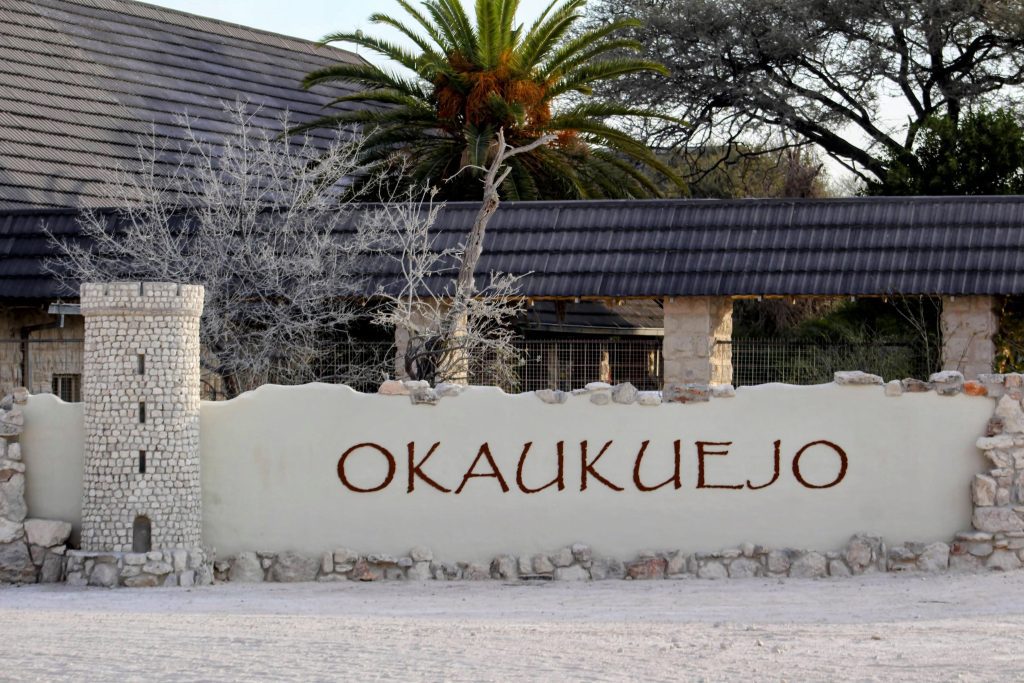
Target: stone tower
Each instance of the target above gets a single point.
(141, 486)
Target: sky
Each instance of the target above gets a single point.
(312, 19)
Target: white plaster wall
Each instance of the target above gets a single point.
(269, 470)
(52, 448)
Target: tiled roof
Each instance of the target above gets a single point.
(81, 80)
(659, 248)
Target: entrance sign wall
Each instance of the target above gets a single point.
(310, 468)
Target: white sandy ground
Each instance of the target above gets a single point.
(881, 627)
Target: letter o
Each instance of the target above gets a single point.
(842, 464)
(383, 451)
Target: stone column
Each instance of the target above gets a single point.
(692, 326)
(141, 403)
(968, 324)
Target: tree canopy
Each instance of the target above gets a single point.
(982, 154)
(466, 79)
(824, 71)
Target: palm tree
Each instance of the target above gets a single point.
(468, 81)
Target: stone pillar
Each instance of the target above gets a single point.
(692, 326)
(968, 325)
(141, 403)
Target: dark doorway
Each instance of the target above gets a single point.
(141, 535)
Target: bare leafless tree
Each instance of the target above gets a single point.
(450, 324)
(253, 218)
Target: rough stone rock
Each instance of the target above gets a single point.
(748, 549)
(20, 396)
(1009, 411)
(143, 581)
(14, 451)
(12, 498)
(419, 571)
(140, 559)
(686, 393)
(104, 575)
(37, 552)
(159, 568)
(597, 386)
(600, 398)
(975, 388)
(542, 565)
(599, 569)
(648, 398)
(744, 568)
(418, 554)
(983, 490)
(712, 569)
(46, 532)
(187, 578)
(863, 552)
(574, 573)
(649, 568)
(179, 559)
(504, 567)
(364, 571)
(995, 442)
(130, 570)
(11, 531)
(946, 377)
(392, 387)
(327, 563)
(7, 402)
(582, 553)
(381, 558)
(411, 384)
(448, 389)
(935, 558)
(53, 567)
(624, 393)
(552, 396)
(676, 564)
(838, 568)
(394, 574)
(1003, 560)
(474, 571)
(292, 567)
(779, 561)
(915, 386)
(997, 519)
(423, 396)
(964, 563)
(855, 377)
(723, 391)
(246, 568)
(809, 565)
(16, 563)
(562, 558)
(894, 388)
(347, 556)
(204, 575)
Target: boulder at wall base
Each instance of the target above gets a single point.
(47, 532)
(292, 567)
(246, 568)
(16, 563)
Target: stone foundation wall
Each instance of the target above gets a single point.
(167, 568)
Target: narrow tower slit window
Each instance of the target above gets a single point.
(142, 412)
(142, 364)
(142, 462)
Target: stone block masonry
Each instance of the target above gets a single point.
(968, 325)
(141, 395)
(693, 325)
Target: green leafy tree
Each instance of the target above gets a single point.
(983, 154)
(466, 80)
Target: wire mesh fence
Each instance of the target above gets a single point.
(55, 366)
(759, 361)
